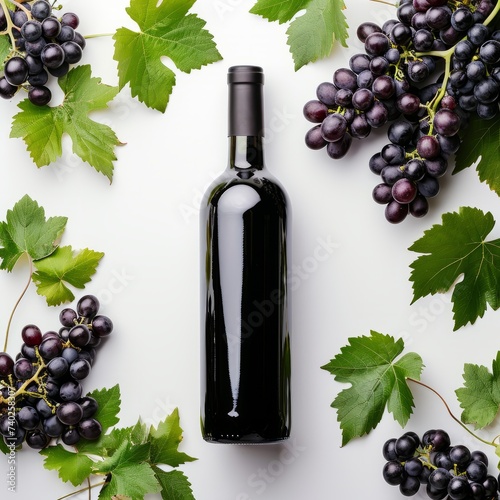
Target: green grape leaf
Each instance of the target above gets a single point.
(165, 30)
(480, 395)
(278, 10)
(480, 144)
(5, 48)
(174, 485)
(378, 381)
(72, 467)
(311, 36)
(27, 231)
(458, 248)
(43, 127)
(61, 267)
(165, 440)
(3, 447)
(131, 474)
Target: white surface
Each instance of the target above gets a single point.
(146, 222)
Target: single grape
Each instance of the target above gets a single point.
(6, 365)
(88, 306)
(446, 122)
(79, 335)
(28, 418)
(326, 92)
(366, 29)
(68, 317)
(458, 488)
(362, 99)
(440, 478)
(339, 149)
(58, 367)
(16, 70)
(37, 439)
(476, 471)
(41, 9)
(395, 212)
(359, 63)
(314, 139)
(460, 455)
(7, 90)
(102, 326)
(393, 472)
(31, 30)
(23, 369)
(428, 147)
(377, 44)
(53, 427)
(89, 406)
(90, 429)
(70, 19)
(334, 127)
(39, 95)
(52, 55)
(70, 391)
(79, 369)
(67, 34)
(419, 206)
(428, 186)
(489, 52)
(382, 193)
(50, 348)
(360, 128)
(51, 27)
(70, 436)
(69, 413)
(415, 169)
(314, 111)
(409, 486)
(404, 191)
(377, 115)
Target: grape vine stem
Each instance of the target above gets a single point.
(450, 412)
(17, 302)
(89, 487)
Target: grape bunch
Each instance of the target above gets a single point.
(42, 45)
(445, 471)
(41, 393)
(422, 74)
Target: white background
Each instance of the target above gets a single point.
(146, 222)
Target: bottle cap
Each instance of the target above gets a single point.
(245, 74)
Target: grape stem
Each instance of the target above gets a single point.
(451, 413)
(89, 487)
(19, 299)
(10, 25)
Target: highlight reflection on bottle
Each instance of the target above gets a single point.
(245, 346)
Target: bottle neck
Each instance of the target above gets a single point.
(245, 152)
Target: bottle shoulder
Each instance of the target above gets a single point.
(261, 182)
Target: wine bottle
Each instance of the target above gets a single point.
(245, 344)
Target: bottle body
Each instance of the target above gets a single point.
(245, 228)
(245, 309)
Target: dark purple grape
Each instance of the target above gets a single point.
(487, 111)
(377, 115)
(70, 436)
(38, 79)
(6, 365)
(28, 418)
(462, 19)
(391, 174)
(90, 429)
(428, 147)
(446, 122)
(400, 132)
(339, 149)
(79, 369)
(400, 34)
(43, 409)
(359, 63)
(383, 87)
(380, 65)
(440, 478)
(487, 91)
(438, 17)
(50, 348)
(395, 212)
(7, 90)
(476, 471)
(377, 44)
(69, 354)
(39, 95)
(404, 191)
(428, 186)
(51, 27)
(70, 391)
(37, 439)
(415, 169)
(360, 128)
(362, 99)
(365, 79)
(67, 34)
(377, 163)
(436, 167)
(314, 139)
(31, 335)
(393, 154)
(70, 19)
(72, 52)
(334, 127)
(345, 78)
(53, 427)
(419, 206)
(68, 317)
(102, 326)
(382, 194)
(343, 98)
(41, 9)
(366, 29)
(408, 103)
(23, 369)
(16, 70)
(79, 335)
(89, 406)
(315, 111)
(423, 38)
(31, 31)
(326, 92)
(58, 367)
(88, 306)
(69, 413)
(80, 40)
(458, 488)
(405, 13)
(52, 55)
